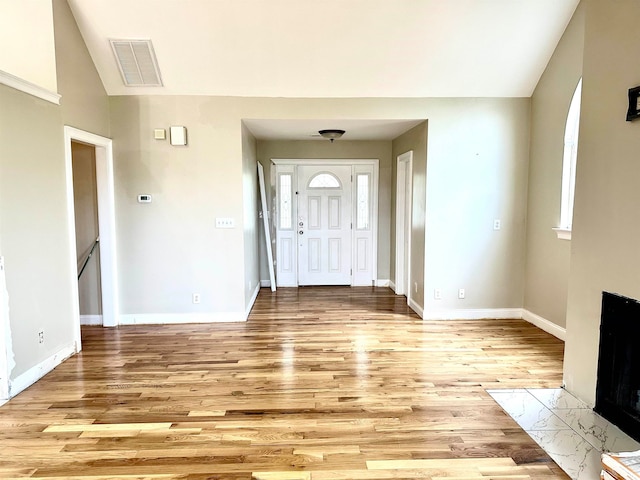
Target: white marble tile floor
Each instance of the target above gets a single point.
(572, 434)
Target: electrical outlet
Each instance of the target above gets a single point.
(40, 337)
(195, 298)
(461, 293)
(437, 294)
(497, 224)
(415, 287)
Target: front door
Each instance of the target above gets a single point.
(324, 225)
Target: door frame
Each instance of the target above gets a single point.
(293, 163)
(106, 226)
(404, 223)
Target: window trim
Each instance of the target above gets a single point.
(569, 159)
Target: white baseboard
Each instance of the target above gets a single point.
(472, 313)
(383, 282)
(170, 318)
(90, 319)
(38, 371)
(544, 324)
(392, 285)
(252, 301)
(265, 283)
(416, 308)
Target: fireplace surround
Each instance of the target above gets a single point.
(618, 383)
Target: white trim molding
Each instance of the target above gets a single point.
(544, 324)
(38, 371)
(90, 319)
(473, 313)
(180, 318)
(563, 233)
(497, 313)
(415, 307)
(265, 283)
(106, 224)
(29, 88)
(256, 291)
(383, 282)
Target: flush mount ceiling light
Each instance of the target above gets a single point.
(331, 134)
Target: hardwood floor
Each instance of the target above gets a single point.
(321, 383)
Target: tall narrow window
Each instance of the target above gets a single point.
(570, 155)
(286, 211)
(362, 199)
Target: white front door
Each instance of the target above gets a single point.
(324, 225)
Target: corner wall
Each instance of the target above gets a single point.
(547, 260)
(606, 226)
(416, 140)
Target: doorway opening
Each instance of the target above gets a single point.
(100, 151)
(404, 195)
(85, 193)
(326, 218)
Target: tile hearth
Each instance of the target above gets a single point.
(571, 433)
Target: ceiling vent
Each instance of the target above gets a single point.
(137, 63)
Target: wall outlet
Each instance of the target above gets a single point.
(40, 337)
(461, 293)
(195, 298)
(437, 294)
(415, 287)
(497, 224)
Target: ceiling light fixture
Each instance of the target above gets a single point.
(331, 134)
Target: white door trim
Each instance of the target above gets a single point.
(354, 162)
(106, 226)
(404, 194)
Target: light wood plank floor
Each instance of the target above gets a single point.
(320, 383)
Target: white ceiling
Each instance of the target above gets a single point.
(308, 129)
(331, 48)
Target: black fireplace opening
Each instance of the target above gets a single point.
(618, 385)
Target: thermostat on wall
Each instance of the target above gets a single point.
(144, 198)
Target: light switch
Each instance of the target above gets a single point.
(225, 223)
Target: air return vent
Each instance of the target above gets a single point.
(137, 62)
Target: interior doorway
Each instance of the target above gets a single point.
(85, 193)
(101, 148)
(404, 195)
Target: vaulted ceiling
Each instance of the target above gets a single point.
(331, 48)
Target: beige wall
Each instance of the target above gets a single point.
(477, 166)
(86, 221)
(416, 140)
(547, 265)
(477, 154)
(250, 217)
(604, 250)
(26, 36)
(323, 149)
(84, 101)
(34, 227)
